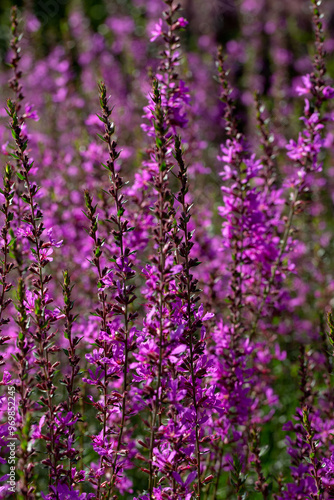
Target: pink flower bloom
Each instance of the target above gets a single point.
(307, 86)
(182, 22)
(156, 31)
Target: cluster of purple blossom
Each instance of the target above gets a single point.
(159, 330)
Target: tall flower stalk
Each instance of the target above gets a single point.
(39, 298)
(34, 302)
(164, 214)
(189, 294)
(123, 271)
(114, 279)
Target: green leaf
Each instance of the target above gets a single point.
(101, 118)
(20, 176)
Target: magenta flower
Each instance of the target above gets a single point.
(156, 31)
(182, 22)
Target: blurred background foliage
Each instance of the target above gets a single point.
(220, 17)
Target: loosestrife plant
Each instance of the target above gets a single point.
(166, 262)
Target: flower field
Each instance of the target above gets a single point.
(167, 250)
